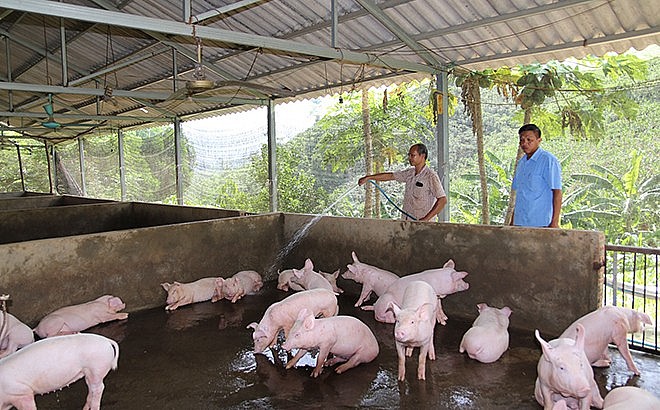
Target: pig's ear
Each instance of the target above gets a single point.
(355, 258)
(393, 307)
(579, 336)
(252, 325)
(308, 264)
(481, 306)
(645, 318)
(425, 312)
(165, 286)
(336, 274)
(545, 346)
(302, 314)
(297, 273)
(506, 310)
(456, 275)
(449, 264)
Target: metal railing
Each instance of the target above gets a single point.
(631, 280)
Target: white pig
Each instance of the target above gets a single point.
(488, 338)
(283, 314)
(445, 280)
(609, 324)
(373, 279)
(630, 397)
(309, 279)
(332, 279)
(54, 363)
(180, 294)
(414, 327)
(347, 338)
(16, 334)
(245, 282)
(285, 281)
(564, 372)
(76, 318)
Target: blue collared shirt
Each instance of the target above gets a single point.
(533, 182)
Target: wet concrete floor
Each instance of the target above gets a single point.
(200, 357)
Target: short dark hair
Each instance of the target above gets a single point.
(530, 127)
(421, 150)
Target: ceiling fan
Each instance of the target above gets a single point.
(51, 124)
(200, 83)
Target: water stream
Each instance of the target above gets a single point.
(302, 232)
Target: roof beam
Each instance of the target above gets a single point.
(89, 14)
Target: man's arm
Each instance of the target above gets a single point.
(437, 207)
(383, 176)
(556, 208)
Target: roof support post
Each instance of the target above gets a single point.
(272, 157)
(179, 164)
(441, 136)
(335, 22)
(81, 154)
(65, 63)
(122, 164)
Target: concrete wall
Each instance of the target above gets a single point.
(77, 219)
(546, 276)
(13, 202)
(43, 275)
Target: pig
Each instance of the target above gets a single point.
(630, 397)
(348, 339)
(76, 318)
(308, 279)
(54, 363)
(414, 327)
(245, 282)
(14, 334)
(332, 279)
(180, 294)
(445, 280)
(283, 314)
(488, 338)
(564, 373)
(373, 279)
(609, 324)
(285, 282)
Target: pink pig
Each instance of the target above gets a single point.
(54, 363)
(180, 294)
(245, 282)
(609, 324)
(283, 314)
(285, 281)
(445, 280)
(347, 338)
(373, 279)
(488, 338)
(14, 335)
(76, 318)
(414, 327)
(308, 279)
(564, 373)
(630, 397)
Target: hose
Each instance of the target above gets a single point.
(392, 202)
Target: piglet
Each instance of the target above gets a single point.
(347, 338)
(283, 314)
(14, 334)
(564, 372)
(285, 281)
(309, 279)
(414, 327)
(373, 279)
(488, 338)
(609, 324)
(54, 363)
(245, 282)
(180, 294)
(76, 318)
(445, 281)
(630, 397)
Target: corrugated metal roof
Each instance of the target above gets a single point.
(122, 55)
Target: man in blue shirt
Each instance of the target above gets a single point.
(537, 182)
